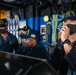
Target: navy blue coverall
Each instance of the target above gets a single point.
(71, 57)
(39, 51)
(10, 44)
(60, 61)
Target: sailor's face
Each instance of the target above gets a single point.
(29, 42)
